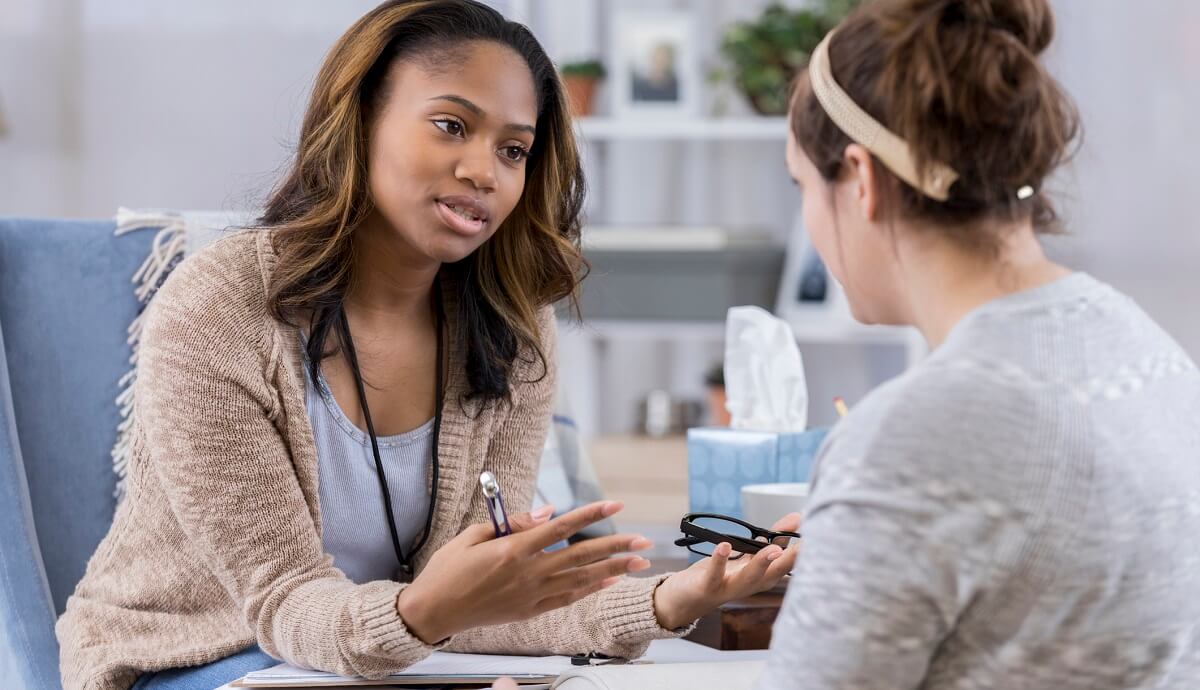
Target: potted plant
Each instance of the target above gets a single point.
(765, 54)
(580, 79)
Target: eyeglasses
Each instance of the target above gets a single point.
(704, 531)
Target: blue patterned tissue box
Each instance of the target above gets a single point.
(721, 461)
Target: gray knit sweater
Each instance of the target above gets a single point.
(1022, 510)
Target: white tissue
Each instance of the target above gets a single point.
(765, 388)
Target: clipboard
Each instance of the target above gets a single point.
(451, 668)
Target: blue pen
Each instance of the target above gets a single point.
(495, 504)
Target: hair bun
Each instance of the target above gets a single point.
(1029, 21)
(968, 66)
(960, 81)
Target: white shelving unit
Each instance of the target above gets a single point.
(699, 129)
(820, 326)
(818, 329)
(692, 342)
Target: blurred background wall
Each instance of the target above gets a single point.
(195, 105)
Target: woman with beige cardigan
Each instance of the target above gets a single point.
(317, 398)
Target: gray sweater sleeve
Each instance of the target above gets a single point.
(898, 539)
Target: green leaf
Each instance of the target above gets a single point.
(765, 54)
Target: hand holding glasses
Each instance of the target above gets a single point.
(770, 554)
(704, 531)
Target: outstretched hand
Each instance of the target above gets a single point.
(476, 579)
(689, 594)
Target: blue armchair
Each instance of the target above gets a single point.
(65, 302)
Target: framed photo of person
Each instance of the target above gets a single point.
(655, 67)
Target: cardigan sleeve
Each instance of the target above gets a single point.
(619, 620)
(212, 431)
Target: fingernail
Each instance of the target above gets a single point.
(543, 512)
(774, 554)
(611, 508)
(640, 544)
(609, 582)
(636, 564)
(725, 548)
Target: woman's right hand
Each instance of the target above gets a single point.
(477, 579)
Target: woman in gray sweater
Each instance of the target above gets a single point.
(1021, 510)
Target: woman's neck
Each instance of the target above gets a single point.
(943, 282)
(390, 282)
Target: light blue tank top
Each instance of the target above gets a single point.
(354, 524)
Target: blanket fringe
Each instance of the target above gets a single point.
(166, 252)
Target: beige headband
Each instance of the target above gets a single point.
(869, 133)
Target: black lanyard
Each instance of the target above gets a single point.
(405, 571)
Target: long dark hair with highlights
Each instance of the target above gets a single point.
(532, 260)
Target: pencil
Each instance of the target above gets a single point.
(840, 405)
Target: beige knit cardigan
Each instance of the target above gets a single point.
(218, 543)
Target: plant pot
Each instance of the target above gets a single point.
(581, 92)
(759, 103)
(764, 104)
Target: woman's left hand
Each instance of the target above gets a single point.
(689, 594)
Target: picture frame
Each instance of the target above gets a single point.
(655, 69)
(807, 289)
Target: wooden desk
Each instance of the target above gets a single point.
(740, 624)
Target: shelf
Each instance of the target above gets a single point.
(655, 239)
(815, 330)
(700, 129)
(646, 329)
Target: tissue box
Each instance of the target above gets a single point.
(721, 461)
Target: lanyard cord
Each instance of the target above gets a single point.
(406, 566)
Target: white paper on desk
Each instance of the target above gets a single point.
(468, 667)
(441, 665)
(687, 652)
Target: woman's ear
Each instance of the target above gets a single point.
(862, 176)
